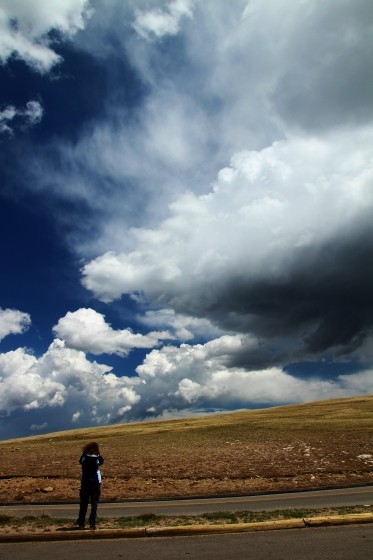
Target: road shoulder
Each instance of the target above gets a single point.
(149, 532)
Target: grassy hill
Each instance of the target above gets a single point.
(319, 444)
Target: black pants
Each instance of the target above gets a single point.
(89, 492)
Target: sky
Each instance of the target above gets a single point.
(186, 197)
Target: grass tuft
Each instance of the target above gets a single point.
(5, 520)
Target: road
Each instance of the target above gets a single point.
(268, 502)
(332, 543)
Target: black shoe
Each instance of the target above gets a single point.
(81, 527)
(92, 526)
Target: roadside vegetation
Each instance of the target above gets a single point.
(45, 523)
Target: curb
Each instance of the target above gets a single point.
(146, 532)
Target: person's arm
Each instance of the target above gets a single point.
(101, 460)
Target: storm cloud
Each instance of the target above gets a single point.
(279, 248)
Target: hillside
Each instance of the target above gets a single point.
(313, 445)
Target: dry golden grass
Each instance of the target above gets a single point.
(283, 448)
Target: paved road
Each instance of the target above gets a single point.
(314, 499)
(332, 543)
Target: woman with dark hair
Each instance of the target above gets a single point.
(90, 488)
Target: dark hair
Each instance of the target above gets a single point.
(91, 448)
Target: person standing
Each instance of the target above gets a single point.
(90, 488)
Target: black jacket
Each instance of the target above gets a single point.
(90, 468)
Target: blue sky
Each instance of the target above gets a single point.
(186, 207)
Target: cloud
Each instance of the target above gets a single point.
(39, 427)
(279, 245)
(162, 22)
(86, 329)
(220, 89)
(202, 377)
(184, 326)
(75, 417)
(65, 380)
(25, 28)
(22, 386)
(33, 112)
(13, 321)
(6, 115)
(63, 389)
(11, 117)
(326, 84)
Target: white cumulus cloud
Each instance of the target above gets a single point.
(64, 378)
(13, 321)
(86, 329)
(22, 385)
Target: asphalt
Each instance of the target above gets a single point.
(146, 532)
(310, 499)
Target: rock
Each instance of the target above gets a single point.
(47, 489)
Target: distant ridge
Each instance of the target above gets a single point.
(357, 409)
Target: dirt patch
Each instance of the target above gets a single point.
(225, 468)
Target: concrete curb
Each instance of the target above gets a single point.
(339, 520)
(144, 532)
(224, 528)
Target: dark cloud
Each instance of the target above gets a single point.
(322, 303)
